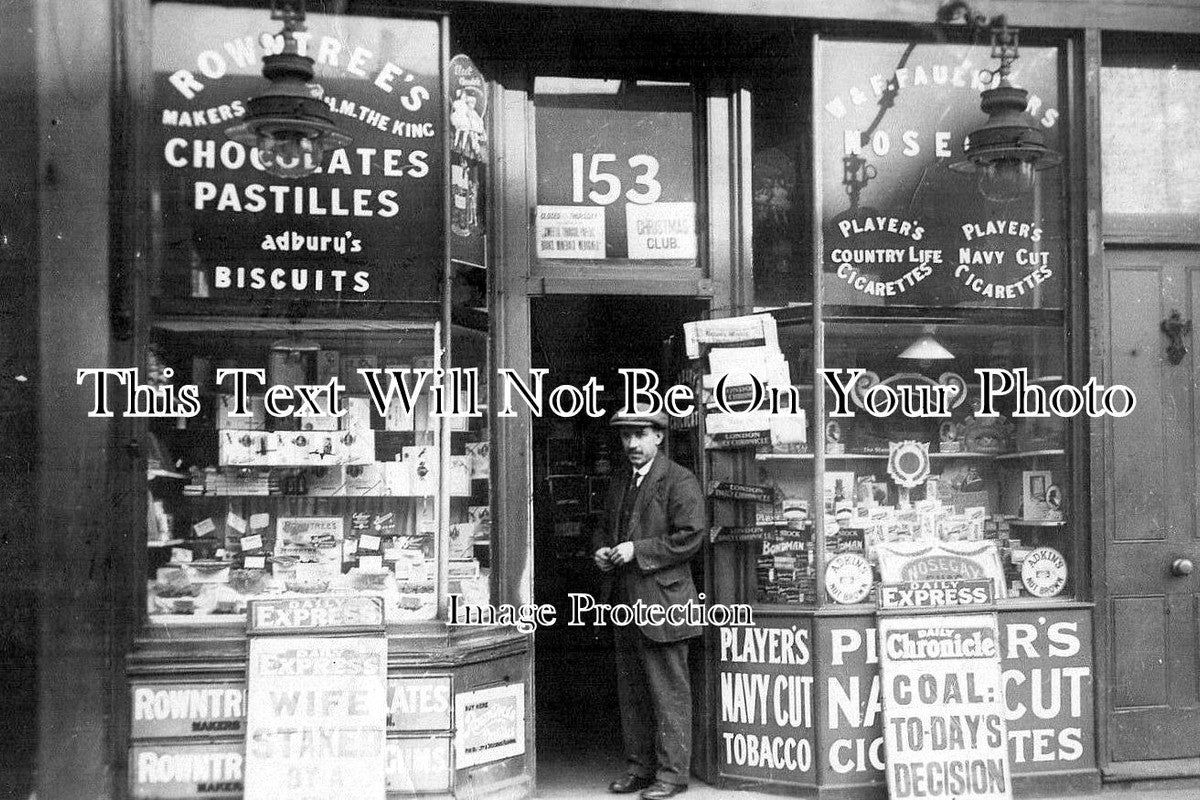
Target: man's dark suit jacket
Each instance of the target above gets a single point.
(666, 527)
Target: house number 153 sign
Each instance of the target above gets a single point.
(647, 191)
(616, 175)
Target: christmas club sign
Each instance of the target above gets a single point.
(367, 226)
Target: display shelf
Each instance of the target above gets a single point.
(283, 309)
(944, 315)
(152, 474)
(215, 324)
(937, 456)
(862, 456)
(165, 543)
(1038, 523)
(1030, 454)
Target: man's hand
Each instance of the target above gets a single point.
(621, 554)
(603, 557)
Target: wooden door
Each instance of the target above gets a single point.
(1153, 535)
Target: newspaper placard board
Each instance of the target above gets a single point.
(921, 562)
(930, 596)
(728, 490)
(943, 707)
(316, 711)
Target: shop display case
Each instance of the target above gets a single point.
(924, 279)
(340, 486)
(330, 337)
(341, 499)
(884, 299)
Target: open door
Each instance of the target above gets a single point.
(577, 337)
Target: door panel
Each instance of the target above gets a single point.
(1139, 441)
(1140, 673)
(1153, 613)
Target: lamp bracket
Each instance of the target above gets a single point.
(1005, 40)
(289, 12)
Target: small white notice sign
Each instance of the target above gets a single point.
(661, 230)
(570, 232)
(491, 724)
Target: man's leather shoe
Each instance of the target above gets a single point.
(661, 790)
(627, 784)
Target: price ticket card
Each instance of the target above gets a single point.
(234, 521)
(204, 527)
(368, 542)
(254, 542)
(256, 562)
(260, 520)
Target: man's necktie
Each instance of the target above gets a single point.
(631, 490)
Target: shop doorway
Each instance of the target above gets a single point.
(577, 337)
(1153, 542)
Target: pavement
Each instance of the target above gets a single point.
(579, 741)
(577, 790)
(586, 772)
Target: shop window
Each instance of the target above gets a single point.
(781, 181)
(924, 277)
(309, 281)
(1150, 93)
(900, 227)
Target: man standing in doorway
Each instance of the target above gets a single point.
(654, 524)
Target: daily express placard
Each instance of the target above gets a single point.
(943, 708)
(316, 720)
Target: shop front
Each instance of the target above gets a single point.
(341, 514)
(514, 203)
(831, 233)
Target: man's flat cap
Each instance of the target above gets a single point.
(639, 419)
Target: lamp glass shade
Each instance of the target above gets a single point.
(288, 123)
(290, 154)
(926, 348)
(1007, 152)
(1006, 180)
(295, 344)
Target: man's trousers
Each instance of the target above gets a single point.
(655, 696)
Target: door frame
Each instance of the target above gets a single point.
(1118, 253)
(721, 280)
(1108, 236)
